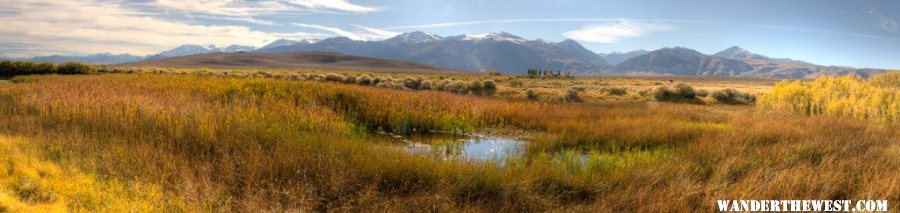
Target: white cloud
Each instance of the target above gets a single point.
(494, 21)
(337, 31)
(249, 11)
(612, 32)
(91, 26)
(377, 33)
(364, 34)
(341, 5)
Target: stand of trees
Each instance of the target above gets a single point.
(543, 74)
(12, 68)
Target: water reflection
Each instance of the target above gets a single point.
(466, 147)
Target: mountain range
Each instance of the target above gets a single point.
(501, 51)
(102, 58)
(197, 49)
(512, 54)
(614, 58)
(325, 61)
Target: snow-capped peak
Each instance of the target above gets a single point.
(416, 37)
(495, 36)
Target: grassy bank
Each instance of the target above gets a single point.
(206, 143)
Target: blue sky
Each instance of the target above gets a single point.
(851, 33)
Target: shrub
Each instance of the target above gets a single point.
(617, 91)
(489, 87)
(334, 77)
(376, 80)
(412, 83)
(495, 73)
(732, 96)
(572, 96)
(364, 80)
(531, 95)
(25, 67)
(682, 93)
(75, 68)
(427, 85)
(475, 87)
(459, 87)
(442, 85)
(702, 93)
(515, 83)
(350, 79)
(6, 68)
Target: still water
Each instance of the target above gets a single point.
(463, 146)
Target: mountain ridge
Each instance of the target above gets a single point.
(513, 54)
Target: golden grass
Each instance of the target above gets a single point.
(30, 183)
(229, 144)
(876, 99)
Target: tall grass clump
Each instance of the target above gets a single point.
(617, 91)
(571, 96)
(852, 96)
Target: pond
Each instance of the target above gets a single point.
(472, 147)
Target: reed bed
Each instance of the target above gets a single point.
(207, 143)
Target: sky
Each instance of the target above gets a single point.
(864, 34)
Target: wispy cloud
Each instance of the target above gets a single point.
(612, 32)
(334, 30)
(363, 34)
(89, 26)
(249, 11)
(494, 21)
(341, 5)
(377, 33)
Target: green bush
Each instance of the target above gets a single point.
(572, 96)
(682, 93)
(45, 68)
(75, 68)
(732, 96)
(6, 68)
(531, 95)
(488, 87)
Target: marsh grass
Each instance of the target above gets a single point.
(209, 143)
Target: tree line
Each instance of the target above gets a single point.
(538, 73)
(12, 68)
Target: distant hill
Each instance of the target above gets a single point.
(682, 62)
(501, 51)
(732, 62)
(102, 58)
(614, 58)
(739, 53)
(292, 61)
(188, 49)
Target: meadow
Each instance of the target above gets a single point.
(200, 140)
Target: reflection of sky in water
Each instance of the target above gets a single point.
(467, 147)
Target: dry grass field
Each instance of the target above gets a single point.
(189, 140)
